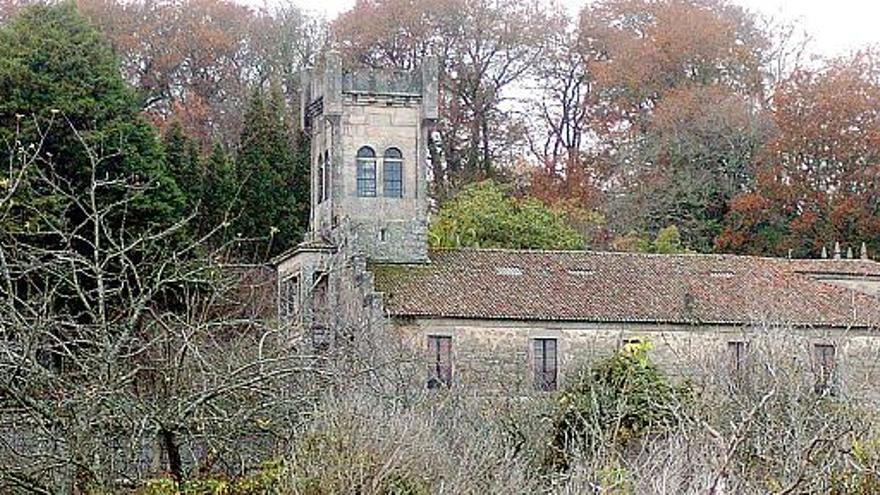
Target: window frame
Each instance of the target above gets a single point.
(325, 177)
(319, 187)
(439, 372)
(365, 175)
(737, 351)
(541, 357)
(288, 298)
(825, 369)
(392, 157)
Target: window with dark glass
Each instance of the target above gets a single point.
(319, 188)
(440, 361)
(392, 173)
(737, 350)
(325, 177)
(366, 172)
(320, 301)
(545, 364)
(825, 364)
(289, 297)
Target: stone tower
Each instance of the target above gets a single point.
(369, 131)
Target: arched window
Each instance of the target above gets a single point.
(366, 172)
(392, 173)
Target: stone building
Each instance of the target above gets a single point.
(507, 318)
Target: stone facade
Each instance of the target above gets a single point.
(496, 355)
(348, 111)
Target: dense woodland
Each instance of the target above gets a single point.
(149, 146)
(628, 119)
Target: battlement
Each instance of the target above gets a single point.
(325, 92)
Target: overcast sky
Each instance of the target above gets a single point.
(836, 26)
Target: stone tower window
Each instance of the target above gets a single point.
(392, 173)
(366, 172)
(325, 177)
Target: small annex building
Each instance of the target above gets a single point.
(512, 318)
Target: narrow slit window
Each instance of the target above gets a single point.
(392, 173)
(440, 356)
(545, 364)
(366, 172)
(325, 177)
(319, 187)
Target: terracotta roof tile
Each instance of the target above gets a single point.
(626, 287)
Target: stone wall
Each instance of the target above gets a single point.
(349, 109)
(382, 123)
(496, 355)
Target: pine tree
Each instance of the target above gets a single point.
(219, 204)
(271, 174)
(184, 164)
(60, 86)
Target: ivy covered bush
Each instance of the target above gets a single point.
(622, 398)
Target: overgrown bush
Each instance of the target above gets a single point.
(621, 398)
(437, 443)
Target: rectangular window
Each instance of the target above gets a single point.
(366, 178)
(320, 301)
(440, 364)
(288, 296)
(737, 355)
(545, 364)
(825, 359)
(392, 179)
(327, 182)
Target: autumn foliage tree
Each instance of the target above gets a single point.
(195, 61)
(677, 83)
(484, 48)
(817, 180)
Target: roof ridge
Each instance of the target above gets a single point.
(615, 253)
(650, 255)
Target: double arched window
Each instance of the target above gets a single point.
(366, 172)
(392, 173)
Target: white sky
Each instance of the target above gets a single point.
(836, 26)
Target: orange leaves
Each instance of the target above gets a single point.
(645, 48)
(819, 174)
(195, 60)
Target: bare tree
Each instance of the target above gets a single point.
(126, 353)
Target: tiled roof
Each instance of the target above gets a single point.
(626, 287)
(852, 267)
